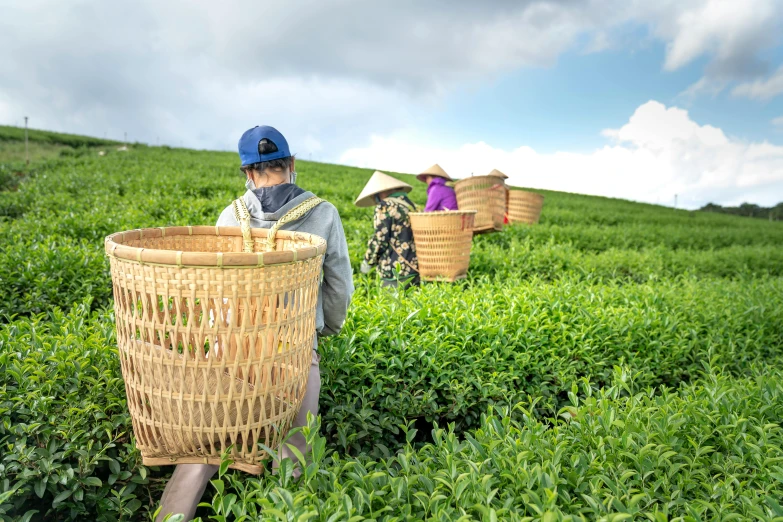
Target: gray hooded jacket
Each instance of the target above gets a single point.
(323, 221)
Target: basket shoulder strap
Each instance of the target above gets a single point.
(399, 254)
(405, 204)
(402, 258)
(292, 215)
(242, 214)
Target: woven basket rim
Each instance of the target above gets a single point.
(443, 213)
(517, 191)
(475, 179)
(114, 247)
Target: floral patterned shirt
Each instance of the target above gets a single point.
(393, 238)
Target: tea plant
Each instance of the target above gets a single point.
(710, 451)
(446, 352)
(65, 431)
(616, 361)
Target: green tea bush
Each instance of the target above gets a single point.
(13, 206)
(525, 258)
(446, 352)
(696, 234)
(89, 197)
(599, 284)
(8, 177)
(51, 272)
(65, 431)
(68, 453)
(711, 451)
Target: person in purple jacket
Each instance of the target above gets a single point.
(439, 195)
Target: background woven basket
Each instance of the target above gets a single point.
(477, 193)
(524, 207)
(443, 241)
(215, 343)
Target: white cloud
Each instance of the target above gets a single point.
(730, 34)
(102, 50)
(329, 73)
(425, 46)
(727, 30)
(763, 89)
(705, 85)
(600, 41)
(778, 121)
(660, 152)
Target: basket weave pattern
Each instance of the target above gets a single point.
(524, 207)
(443, 241)
(476, 193)
(215, 347)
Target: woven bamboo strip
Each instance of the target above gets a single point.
(486, 195)
(443, 241)
(215, 344)
(524, 207)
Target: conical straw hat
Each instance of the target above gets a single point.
(497, 174)
(379, 182)
(435, 170)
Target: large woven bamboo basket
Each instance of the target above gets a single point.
(524, 207)
(487, 196)
(215, 337)
(443, 241)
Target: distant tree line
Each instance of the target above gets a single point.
(748, 210)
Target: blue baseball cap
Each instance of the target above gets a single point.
(248, 145)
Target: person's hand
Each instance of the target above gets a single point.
(365, 268)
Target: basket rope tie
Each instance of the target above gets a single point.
(242, 214)
(292, 215)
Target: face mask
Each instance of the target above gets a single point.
(293, 177)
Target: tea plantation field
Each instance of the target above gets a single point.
(618, 361)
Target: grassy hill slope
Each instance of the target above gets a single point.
(42, 146)
(618, 360)
(16, 134)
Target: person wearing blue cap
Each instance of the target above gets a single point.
(272, 192)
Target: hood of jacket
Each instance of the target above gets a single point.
(436, 182)
(256, 209)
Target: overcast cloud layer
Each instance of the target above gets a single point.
(334, 74)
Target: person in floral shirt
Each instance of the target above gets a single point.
(391, 248)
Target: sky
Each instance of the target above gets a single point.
(633, 99)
